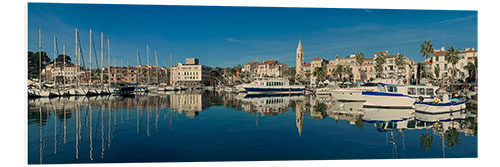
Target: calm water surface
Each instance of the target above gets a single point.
(211, 126)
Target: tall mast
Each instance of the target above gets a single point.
(147, 65)
(40, 58)
(55, 60)
(77, 69)
(138, 69)
(109, 65)
(90, 58)
(157, 77)
(64, 66)
(170, 68)
(102, 59)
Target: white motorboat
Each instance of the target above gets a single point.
(443, 103)
(327, 90)
(397, 96)
(272, 86)
(353, 94)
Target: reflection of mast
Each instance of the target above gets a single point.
(64, 114)
(90, 135)
(41, 136)
(442, 144)
(102, 132)
(147, 124)
(55, 129)
(393, 142)
(137, 117)
(77, 129)
(109, 125)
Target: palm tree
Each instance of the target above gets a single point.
(426, 49)
(379, 64)
(400, 62)
(453, 58)
(319, 73)
(339, 70)
(360, 60)
(471, 68)
(437, 71)
(348, 72)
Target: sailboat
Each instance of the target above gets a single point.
(103, 89)
(39, 91)
(91, 91)
(54, 92)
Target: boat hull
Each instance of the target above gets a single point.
(387, 100)
(274, 90)
(440, 108)
(348, 95)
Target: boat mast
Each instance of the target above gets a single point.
(77, 69)
(147, 61)
(40, 57)
(109, 65)
(157, 76)
(170, 68)
(90, 59)
(55, 61)
(64, 66)
(102, 60)
(138, 69)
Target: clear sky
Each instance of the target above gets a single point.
(227, 36)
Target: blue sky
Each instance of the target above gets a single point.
(227, 36)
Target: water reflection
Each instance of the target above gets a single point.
(89, 124)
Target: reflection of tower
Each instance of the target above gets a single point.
(299, 118)
(299, 59)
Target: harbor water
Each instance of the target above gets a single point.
(219, 126)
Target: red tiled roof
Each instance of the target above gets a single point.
(269, 62)
(307, 63)
(440, 53)
(253, 62)
(390, 56)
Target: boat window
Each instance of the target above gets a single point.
(421, 91)
(412, 91)
(429, 91)
(392, 89)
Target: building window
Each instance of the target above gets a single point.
(445, 66)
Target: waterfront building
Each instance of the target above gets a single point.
(190, 74)
(250, 68)
(439, 61)
(271, 68)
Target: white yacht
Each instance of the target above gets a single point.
(353, 94)
(272, 86)
(397, 96)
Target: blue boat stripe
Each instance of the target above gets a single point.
(390, 94)
(443, 104)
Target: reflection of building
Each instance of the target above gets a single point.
(190, 104)
(270, 106)
(299, 117)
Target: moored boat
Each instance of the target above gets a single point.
(397, 96)
(272, 86)
(443, 103)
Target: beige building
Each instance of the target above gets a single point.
(251, 68)
(271, 68)
(439, 61)
(190, 74)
